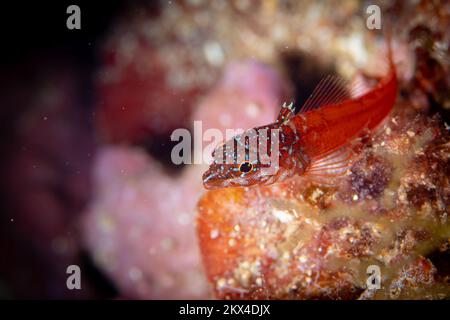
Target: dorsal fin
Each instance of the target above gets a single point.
(330, 90)
(286, 113)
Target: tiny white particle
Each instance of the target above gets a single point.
(183, 219)
(214, 53)
(225, 119)
(252, 110)
(214, 234)
(283, 216)
(135, 274)
(259, 281)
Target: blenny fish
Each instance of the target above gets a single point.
(317, 141)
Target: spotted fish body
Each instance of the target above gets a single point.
(316, 141)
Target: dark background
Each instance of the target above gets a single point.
(32, 35)
(33, 27)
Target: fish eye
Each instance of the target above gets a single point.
(245, 167)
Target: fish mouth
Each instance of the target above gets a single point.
(214, 178)
(211, 180)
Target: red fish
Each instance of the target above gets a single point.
(316, 141)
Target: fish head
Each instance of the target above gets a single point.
(238, 163)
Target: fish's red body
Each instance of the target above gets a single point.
(331, 126)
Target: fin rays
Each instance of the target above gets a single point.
(331, 166)
(330, 90)
(333, 90)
